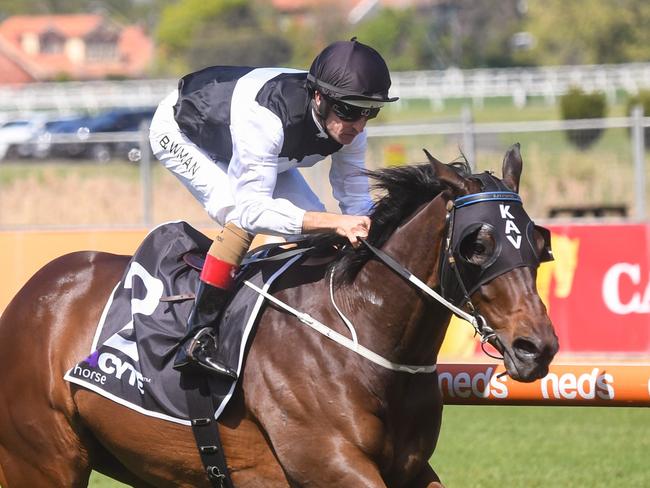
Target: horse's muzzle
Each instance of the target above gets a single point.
(528, 358)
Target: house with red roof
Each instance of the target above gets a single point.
(72, 47)
(354, 10)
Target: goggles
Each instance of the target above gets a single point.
(351, 113)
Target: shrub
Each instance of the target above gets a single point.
(577, 104)
(643, 99)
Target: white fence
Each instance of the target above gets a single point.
(519, 84)
(477, 84)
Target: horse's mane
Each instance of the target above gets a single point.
(403, 190)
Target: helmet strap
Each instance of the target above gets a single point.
(322, 109)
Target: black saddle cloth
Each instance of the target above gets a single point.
(131, 358)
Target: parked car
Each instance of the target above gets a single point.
(114, 121)
(81, 135)
(45, 143)
(15, 133)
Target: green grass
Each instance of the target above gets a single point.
(556, 173)
(529, 447)
(100, 481)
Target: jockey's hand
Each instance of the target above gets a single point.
(351, 226)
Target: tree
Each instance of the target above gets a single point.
(400, 36)
(325, 23)
(462, 33)
(143, 12)
(588, 31)
(576, 104)
(40, 7)
(193, 34)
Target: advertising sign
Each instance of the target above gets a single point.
(598, 288)
(597, 292)
(566, 384)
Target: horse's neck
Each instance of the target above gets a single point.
(416, 243)
(406, 326)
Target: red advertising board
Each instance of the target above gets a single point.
(598, 288)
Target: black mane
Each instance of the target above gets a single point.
(403, 190)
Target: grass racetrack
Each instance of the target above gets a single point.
(528, 447)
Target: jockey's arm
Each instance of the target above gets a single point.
(252, 174)
(348, 179)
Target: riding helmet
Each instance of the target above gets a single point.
(350, 71)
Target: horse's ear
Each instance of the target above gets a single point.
(431, 159)
(446, 174)
(512, 165)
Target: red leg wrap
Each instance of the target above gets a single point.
(218, 273)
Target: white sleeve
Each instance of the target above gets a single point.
(257, 137)
(349, 185)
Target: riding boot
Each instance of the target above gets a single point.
(216, 280)
(199, 352)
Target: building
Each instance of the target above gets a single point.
(354, 10)
(71, 47)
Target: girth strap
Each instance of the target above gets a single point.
(206, 432)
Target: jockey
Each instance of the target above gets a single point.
(234, 136)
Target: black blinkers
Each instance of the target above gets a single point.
(508, 239)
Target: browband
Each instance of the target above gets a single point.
(486, 196)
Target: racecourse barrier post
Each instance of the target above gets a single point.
(145, 175)
(638, 150)
(469, 142)
(597, 384)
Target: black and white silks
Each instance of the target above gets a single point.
(235, 136)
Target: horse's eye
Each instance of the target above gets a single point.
(478, 246)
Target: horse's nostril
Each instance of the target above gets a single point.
(525, 348)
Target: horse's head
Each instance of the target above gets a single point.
(489, 265)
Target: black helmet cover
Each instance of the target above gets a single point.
(350, 71)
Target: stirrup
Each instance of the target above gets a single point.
(203, 339)
(202, 353)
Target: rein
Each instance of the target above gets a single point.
(476, 319)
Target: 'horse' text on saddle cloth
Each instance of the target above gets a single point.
(133, 348)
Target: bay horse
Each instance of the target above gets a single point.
(307, 412)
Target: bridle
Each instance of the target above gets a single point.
(493, 202)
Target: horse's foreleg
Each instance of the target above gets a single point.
(326, 464)
(37, 463)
